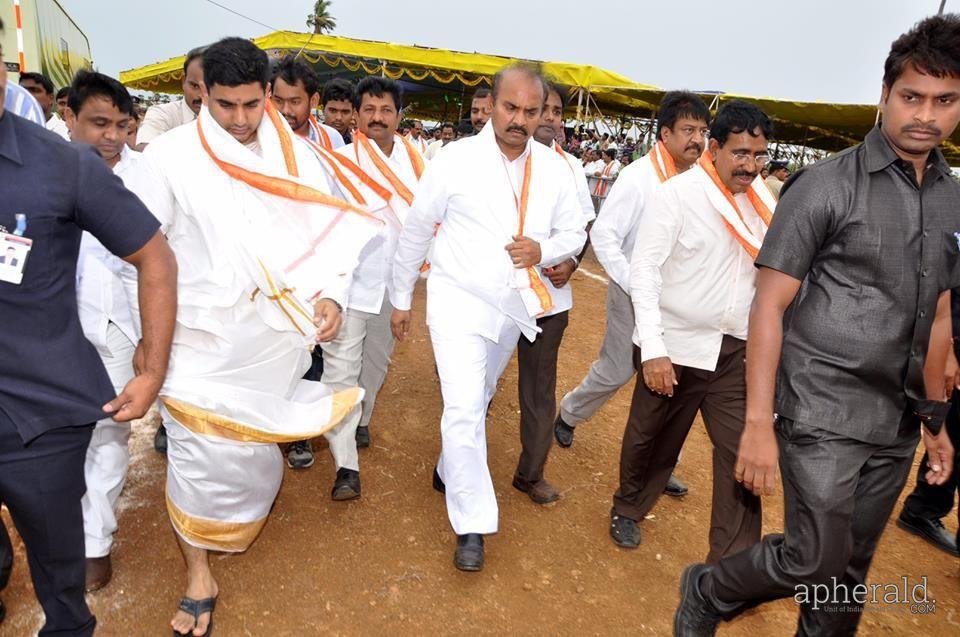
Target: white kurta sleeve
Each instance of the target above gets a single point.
(428, 209)
(659, 229)
(156, 122)
(612, 226)
(569, 232)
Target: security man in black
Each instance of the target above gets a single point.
(54, 386)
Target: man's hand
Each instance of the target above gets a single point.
(524, 252)
(327, 318)
(659, 375)
(939, 455)
(400, 324)
(560, 274)
(136, 398)
(756, 466)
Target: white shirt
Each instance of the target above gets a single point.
(691, 281)
(372, 277)
(433, 148)
(103, 295)
(420, 143)
(615, 230)
(563, 297)
(58, 126)
(163, 117)
(469, 191)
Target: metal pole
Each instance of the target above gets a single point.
(943, 3)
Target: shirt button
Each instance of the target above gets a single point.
(924, 272)
(926, 233)
(923, 313)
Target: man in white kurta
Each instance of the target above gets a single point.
(266, 256)
(503, 207)
(100, 113)
(161, 118)
(360, 355)
(682, 120)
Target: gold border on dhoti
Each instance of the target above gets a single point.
(234, 537)
(206, 423)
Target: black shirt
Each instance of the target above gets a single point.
(50, 375)
(873, 252)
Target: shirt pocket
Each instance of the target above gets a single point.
(866, 261)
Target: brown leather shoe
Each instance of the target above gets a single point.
(541, 491)
(99, 572)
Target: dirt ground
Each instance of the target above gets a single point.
(383, 564)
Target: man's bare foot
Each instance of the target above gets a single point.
(199, 586)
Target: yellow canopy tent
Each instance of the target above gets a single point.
(439, 82)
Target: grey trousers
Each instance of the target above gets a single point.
(359, 356)
(612, 370)
(838, 495)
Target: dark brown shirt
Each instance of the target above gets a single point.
(873, 251)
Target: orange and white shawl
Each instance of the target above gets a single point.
(318, 135)
(371, 160)
(760, 198)
(304, 237)
(606, 176)
(662, 161)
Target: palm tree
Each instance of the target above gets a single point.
(320, 19)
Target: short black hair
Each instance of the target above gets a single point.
(378, 87)
(448, 125)
(40, 79)
(337, 90)
(677, 104)
(532, 72)
(63, 92)
(481, 94)
(291, 71)
(234, 62)
(611, 153)
(553, 87)
(87, 84)
(192, 55)
(932, 46)
(738, 116)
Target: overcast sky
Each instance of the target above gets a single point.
(827, 50)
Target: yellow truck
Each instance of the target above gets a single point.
(40, 36)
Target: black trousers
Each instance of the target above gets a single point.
(936, 501)
(42, 484)
(537, 385)
(657, 428)
(838, 495)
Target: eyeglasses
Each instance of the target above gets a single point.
(759, 160)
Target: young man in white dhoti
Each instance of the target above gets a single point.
(692, 282)
(361, 352)
(682, 121)
(295, 91)
(267, 254)
(537, 359)
(98, 113)
(503, 207)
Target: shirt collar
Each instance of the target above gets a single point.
(880, 153)
(9, 147)
(188, 113)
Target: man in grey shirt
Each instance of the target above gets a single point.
(858, 262)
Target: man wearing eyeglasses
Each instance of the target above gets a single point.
(691, 283)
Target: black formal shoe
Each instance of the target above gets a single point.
(469, 553)
(563, 432)
(695, 616)
(675, 488)
(624, 531)
(930, 530)
(363, 437)
(347, 485)
(438, 484)
(160, 440)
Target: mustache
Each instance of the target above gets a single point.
(380, 124)
(520, 129)
(695, 146)
(923, 128)
(745, 173)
